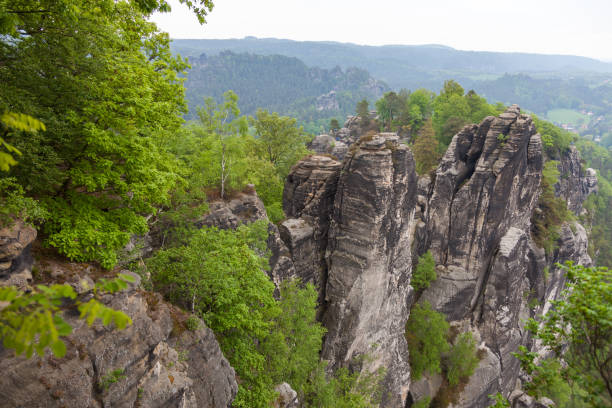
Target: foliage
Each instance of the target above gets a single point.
(334, 125)
(453, 110)
(462, 359)
(425, 149)
(599, 204)
(554, 139)
(499, 401)
(553, 210)
(295, 339)
(425, 272)
(98, 163)
(363, 111)
(14, 205)
(111, 378)
(32, 321)
(280, 84)
(192, 323)
(10, 121)
(220, 277)
(279, 140)
(427, 337)
(577, 330)
(422, 403)
(345, 389)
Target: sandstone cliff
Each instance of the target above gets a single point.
(161, 363)
(475, 218)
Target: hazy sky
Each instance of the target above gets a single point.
(578, 27)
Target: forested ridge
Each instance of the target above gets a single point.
(95, 153)
(280, 84)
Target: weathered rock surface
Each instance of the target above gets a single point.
(326, 144)
(575, 183)
(477, 225)
(287, 397)
(308, 201)
(245, 208)
(482, 188)
(370, 262)
(161, 367)
(15, 259)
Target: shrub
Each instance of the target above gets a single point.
(110, 378)
(192, 323)
(425, 272)
(462, 359)
(426, 334)
(14, 205)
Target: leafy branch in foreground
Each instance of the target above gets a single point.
(578, 331)
(31, 322)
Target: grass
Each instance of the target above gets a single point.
(568, 116)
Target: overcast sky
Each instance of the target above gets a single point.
(577, 27)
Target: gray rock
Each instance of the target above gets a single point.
(369, 262)
(575, 183)
(245, 208)
(15, 259)
(287, 397)
(158, 368)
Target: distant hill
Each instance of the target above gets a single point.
(281, 84)
(400, 66)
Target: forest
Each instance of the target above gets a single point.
(106, 135)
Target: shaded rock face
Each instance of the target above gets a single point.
(160, 368)
(369, 261)
(478, 229)
(575, 183)
(15, 259)
(491, 275)
(349, 232)
(308, 201)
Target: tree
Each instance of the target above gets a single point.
(388, 107)
(425, 149)
(462, 359)
(334, 125)
(425, 272)
(279, 140)
(578, 331)
(225, 123)
(363, 111)
(426, 334)
(103, 81)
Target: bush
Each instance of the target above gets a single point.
(426, 334)
(425, 272)
(14, 205)
(546, 223)
(462, 359)
(192, 323)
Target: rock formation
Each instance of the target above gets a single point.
(354, 228)
(159, 362)
(15, 259)
(369, 260)
(475, 218)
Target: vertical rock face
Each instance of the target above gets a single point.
(308, 200)
(15, 259)
(575, 183)
(486, 183)
(369, 261)
(491, 276)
